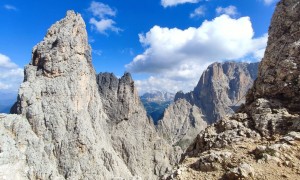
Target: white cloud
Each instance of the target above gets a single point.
(101, 10)
(101, 21)
(104, 25)
(166, 3)
(10, 7)
(11, 75)
(180, 56)
(230, 10)
(198, 12)
(160, 84)
(268, 2)
(97, 52)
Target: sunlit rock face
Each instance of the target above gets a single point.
(220, 91)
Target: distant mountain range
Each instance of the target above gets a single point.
(155, 103)
(7, 99)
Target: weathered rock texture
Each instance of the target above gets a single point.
(22, 153)
(279, 71)
(220, 90)
(59, 97)
(132, 133)
(181, 123)
(262, 140)
(70, 127)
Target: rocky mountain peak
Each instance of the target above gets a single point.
(220, 90)
(63, 48)
(120, 94)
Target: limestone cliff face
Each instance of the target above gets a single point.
(220, 90)
(263, 139)
(74, 127)
(132, 133)
(223, 87)
(23, 153)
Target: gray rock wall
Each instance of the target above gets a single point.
(132, 133)
(279, 71)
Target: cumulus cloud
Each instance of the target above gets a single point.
(268, 2)
(10, 7)
(198, 12)
(101, 10)
(104, 25)
(10, 74)
(166, 3)
(160, 84)
(180, 56)
(102, 21)
(230, 10)
(97, 52)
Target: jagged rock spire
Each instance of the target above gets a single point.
(59, 97)
(64, 46)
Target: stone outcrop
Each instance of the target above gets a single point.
(70, 127)
(263, 137)
(220, 90)
(279, 71)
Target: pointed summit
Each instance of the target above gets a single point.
(64, 47)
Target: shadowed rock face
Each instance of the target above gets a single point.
(120, 94)
(132, 133)
(76, 127)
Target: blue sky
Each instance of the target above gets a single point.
(165, 44)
